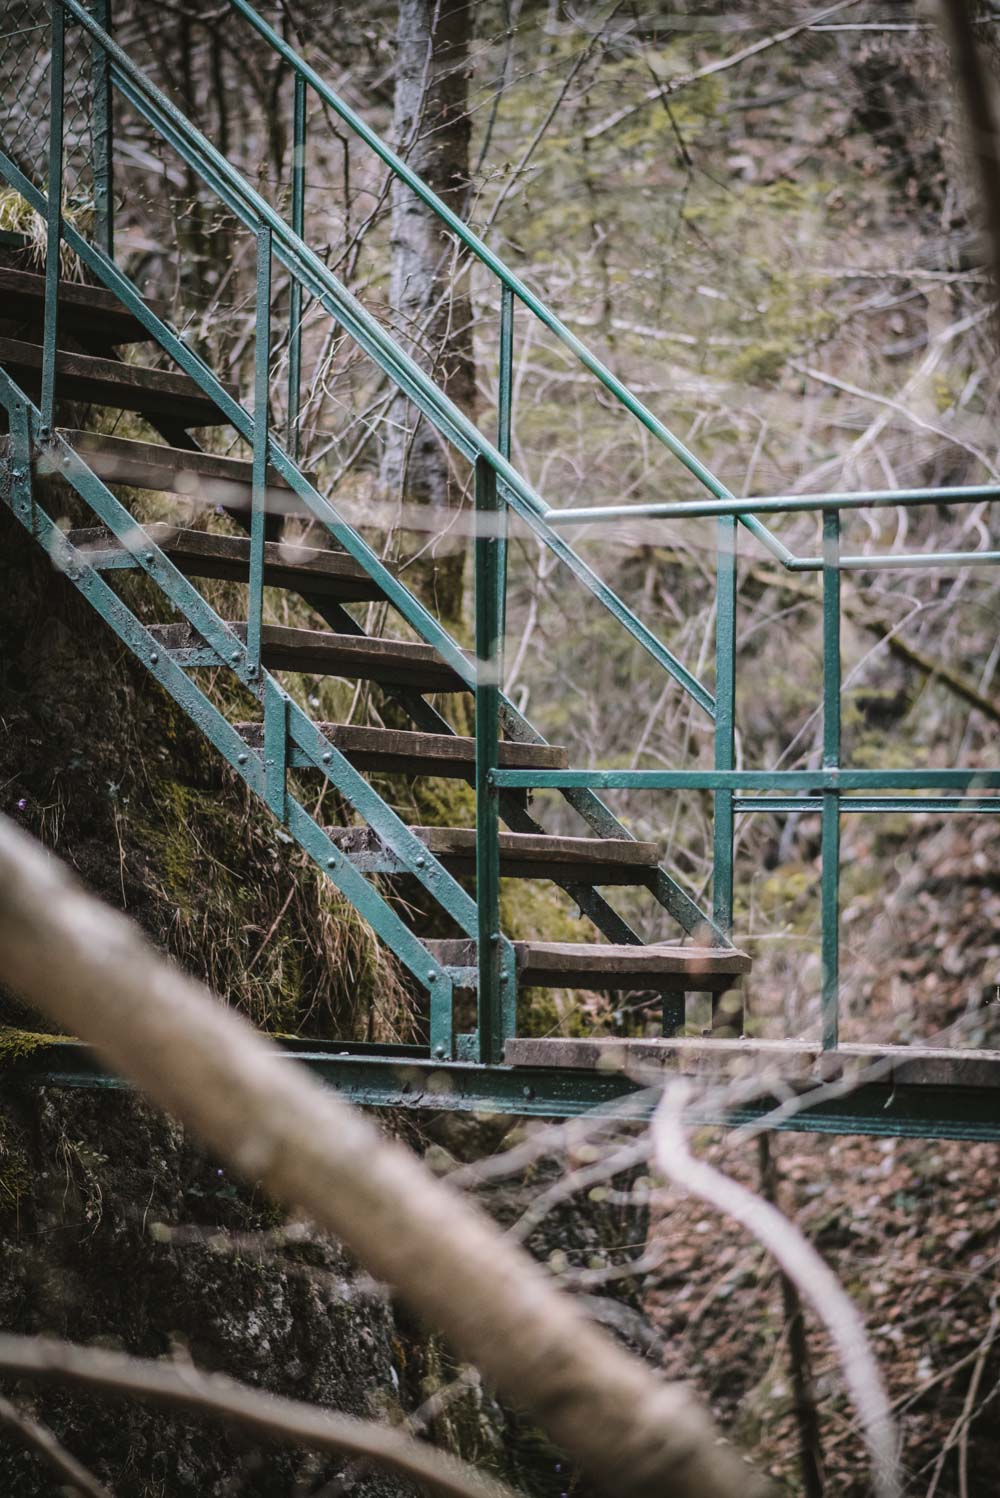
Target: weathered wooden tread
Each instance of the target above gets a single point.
(523, 855)
(556, 964)
(109, 382)
(91, 310)
(205, 477)
(407, 752)
(793, 1062)
(322, 653)
(326, 574)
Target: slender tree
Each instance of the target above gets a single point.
(428, 296)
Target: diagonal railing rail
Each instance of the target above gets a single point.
(284, 723)
(312, 275)
(728, 511)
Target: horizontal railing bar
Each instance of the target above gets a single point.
(506, 276)
(773, 504)
(320, 282)
(750, 780)
(886, 562)
(875, 804)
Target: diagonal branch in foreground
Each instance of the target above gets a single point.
(91, 970)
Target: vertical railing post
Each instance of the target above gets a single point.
(505, 407)
(102, 133)
(53, 238)
(497, 987)
(258, 500)
(725, 745)
(295, 293)
(830, 826)
(725, 718)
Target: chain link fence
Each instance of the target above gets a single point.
(25, 100)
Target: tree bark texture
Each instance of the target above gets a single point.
(428, 289)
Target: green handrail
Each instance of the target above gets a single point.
(319, 280)
(504, 274)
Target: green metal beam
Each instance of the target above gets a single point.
(413, 1081)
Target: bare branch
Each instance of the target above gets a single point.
(90, 969)
(802, 1263)
(182, 1386)
(720, 65)
(25, 1428)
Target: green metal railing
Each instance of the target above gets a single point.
(500, 491)
(729, 512)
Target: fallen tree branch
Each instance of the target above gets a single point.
(933, 669)
(182, 1386)
(90, 969)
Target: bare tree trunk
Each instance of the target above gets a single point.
(977, 87)
(430, 303)
(804, 1391)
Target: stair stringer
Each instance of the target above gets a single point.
(30, 453)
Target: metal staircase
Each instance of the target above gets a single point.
(59, 351)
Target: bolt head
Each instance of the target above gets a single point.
(241, 759)
(153, 657)
(420, 861)
(331, 863)
(149, 557)
(327, 757)
(432, 977)
(439, 1052)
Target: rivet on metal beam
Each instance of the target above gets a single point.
(153, 657)
(241, 759)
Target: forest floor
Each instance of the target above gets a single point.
(911, 1228)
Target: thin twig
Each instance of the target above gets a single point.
(720, 65)
(40, 1438)
(180, 1385)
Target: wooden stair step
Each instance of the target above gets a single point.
(206, 477)
(406, 752)
(326, 574)
(92, 311)
(792, 1062)
(322, 653)
(522, 855)
(557, 964)
(108, 382)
